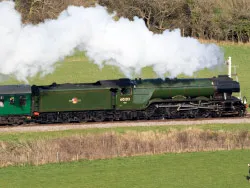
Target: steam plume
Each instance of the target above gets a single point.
(26, 50)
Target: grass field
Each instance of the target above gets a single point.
(206, 169)
(78, 68)
(28, 136)
(73, 145)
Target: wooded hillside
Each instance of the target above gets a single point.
(227, 20)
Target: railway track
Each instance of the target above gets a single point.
(168, 122)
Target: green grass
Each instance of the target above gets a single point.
(206, 169)
(241, 58)
(25, 136)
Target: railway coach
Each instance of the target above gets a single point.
(15, 104)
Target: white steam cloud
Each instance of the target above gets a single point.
(26, 50)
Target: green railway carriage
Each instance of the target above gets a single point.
(15, 103)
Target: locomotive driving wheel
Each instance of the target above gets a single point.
(193, 113)
(204, 113)
(98, 116)
(150, 112)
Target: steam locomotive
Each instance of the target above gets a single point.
(121, 99)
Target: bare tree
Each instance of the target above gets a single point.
(213, 19)
(157, 14)
(36, 11)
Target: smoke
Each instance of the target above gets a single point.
(28, 49)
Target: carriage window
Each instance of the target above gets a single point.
(126, 91)
(22, 100)
(1, 101)
(12, 100)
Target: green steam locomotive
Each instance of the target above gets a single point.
(122, 99)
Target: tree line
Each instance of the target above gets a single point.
(222, 20)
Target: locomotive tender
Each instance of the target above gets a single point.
(121, 99)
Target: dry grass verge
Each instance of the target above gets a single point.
(113, 144)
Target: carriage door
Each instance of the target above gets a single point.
(125, 98)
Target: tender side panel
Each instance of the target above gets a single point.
(74, 100)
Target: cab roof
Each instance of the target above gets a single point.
(15, 89)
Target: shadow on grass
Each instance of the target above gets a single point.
(247, 178)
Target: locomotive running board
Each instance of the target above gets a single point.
(187, 107)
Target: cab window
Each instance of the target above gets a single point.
(22, 100)
(1, 101)
(12, 100)
(126, 91)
